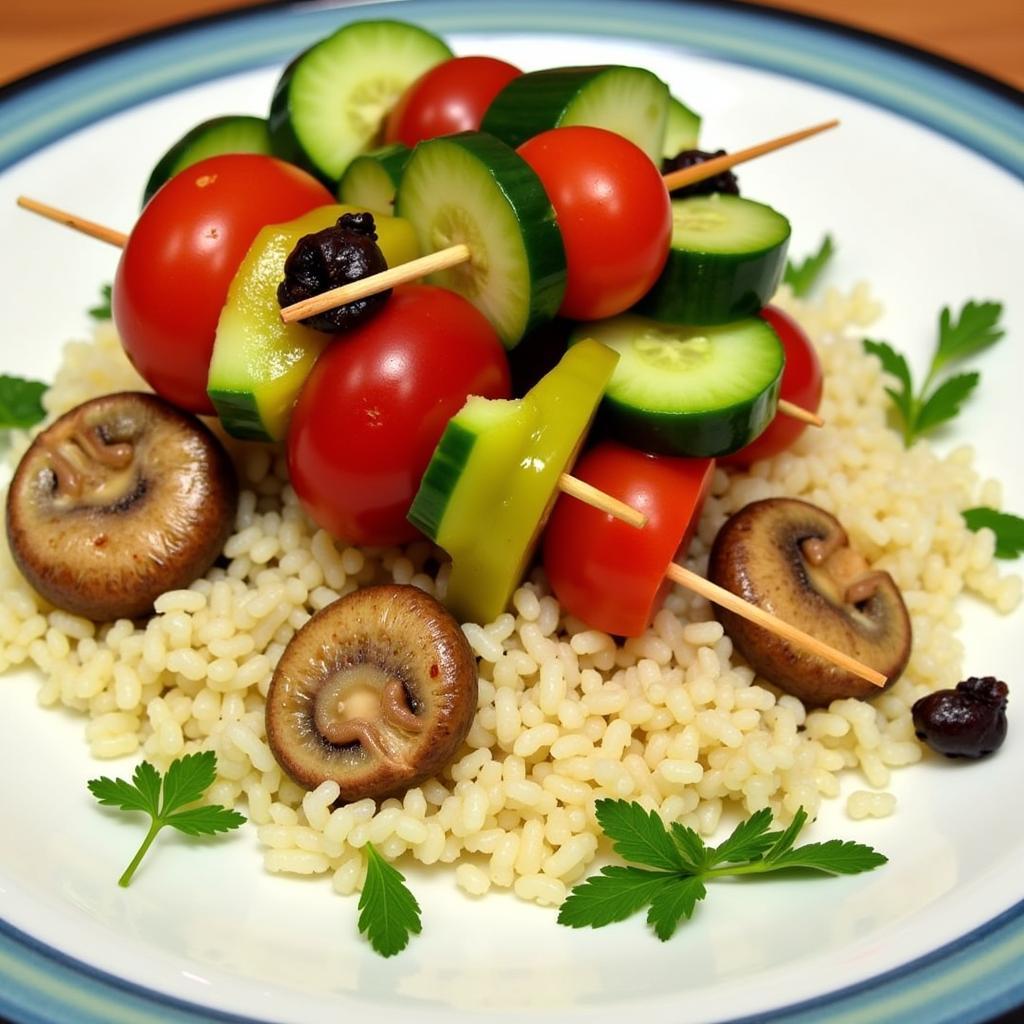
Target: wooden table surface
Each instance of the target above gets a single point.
(985, 34)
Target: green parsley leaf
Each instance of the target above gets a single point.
(944, 402)
(689, 846)
(205, 821)
(671, 895)
(895, 365)
(976, 328)
(638, 835)
(20, 401)
(834, 858)
(102, 311)
(185, 782)
(1009, 529)
(749, 839)
(389, 913)
(613, 895)
(784, 843)
(802, 277)
(672, 903)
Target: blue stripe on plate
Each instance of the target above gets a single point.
(966, 981)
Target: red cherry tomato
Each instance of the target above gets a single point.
(451, 97)
(613, 211)
(801, 385)
(180, 258)
(609, 574)
(372, 411)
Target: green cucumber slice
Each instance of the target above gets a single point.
(330, 101)
(630, 101)
(682, 129)
(726, 260)
(473, 189)
(698, 391)
(233, 133)
(371, 180)
(493, 478)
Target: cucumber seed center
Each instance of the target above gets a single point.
(664, 351)
(451, 226)
(370, 101)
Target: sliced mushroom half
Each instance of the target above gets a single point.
(122, 498)
(376, 691)
(794, 560)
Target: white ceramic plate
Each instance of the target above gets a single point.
(919, 189)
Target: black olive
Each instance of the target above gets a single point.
(724, 182)
(969, 721)
(328, 259)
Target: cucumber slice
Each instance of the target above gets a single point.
(630, 101)
(726, 260)
(473, 189)
(330, 101)
(699, 391)
(493, 479)
(371, 180)
(259, 363)
(682, 129)
(233, 133)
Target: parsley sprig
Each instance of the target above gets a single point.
(102, 310)
(166, 798)
(976, 328)
(803, 276)
(388, 911)
(678, 864)
(20, 401)
(1009, 529)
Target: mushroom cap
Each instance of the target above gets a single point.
(121, 499)
(793, 559)
(376, 691)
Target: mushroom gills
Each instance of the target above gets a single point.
(121, 499)
(376, 691)
(794, 560)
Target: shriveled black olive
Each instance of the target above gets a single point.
(328, 259)
(725, 182)
(969, 721)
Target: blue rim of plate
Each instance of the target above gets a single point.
(969, 980)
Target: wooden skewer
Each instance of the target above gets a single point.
(86, 227)
(798, 412)
(709, 168)
(456, 254)
(452, 256)
(727, 599)
(590, 495)
(402, 274)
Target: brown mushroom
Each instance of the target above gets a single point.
(376, 691)
(122, 498)
(793, 559)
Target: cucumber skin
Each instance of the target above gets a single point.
(545, 253)
(441, 477)
(537, 101)
(705, 289)
(167, 166)
(692, 434)
(239, 414)
(391, 159)
(284, 142)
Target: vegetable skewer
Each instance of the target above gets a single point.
(567, 484)
(455, 254)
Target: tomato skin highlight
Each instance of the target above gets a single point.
(605, 572)
(173, 276)
(801, 384)
(372, 411)
(614, 214)
(451, 97)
